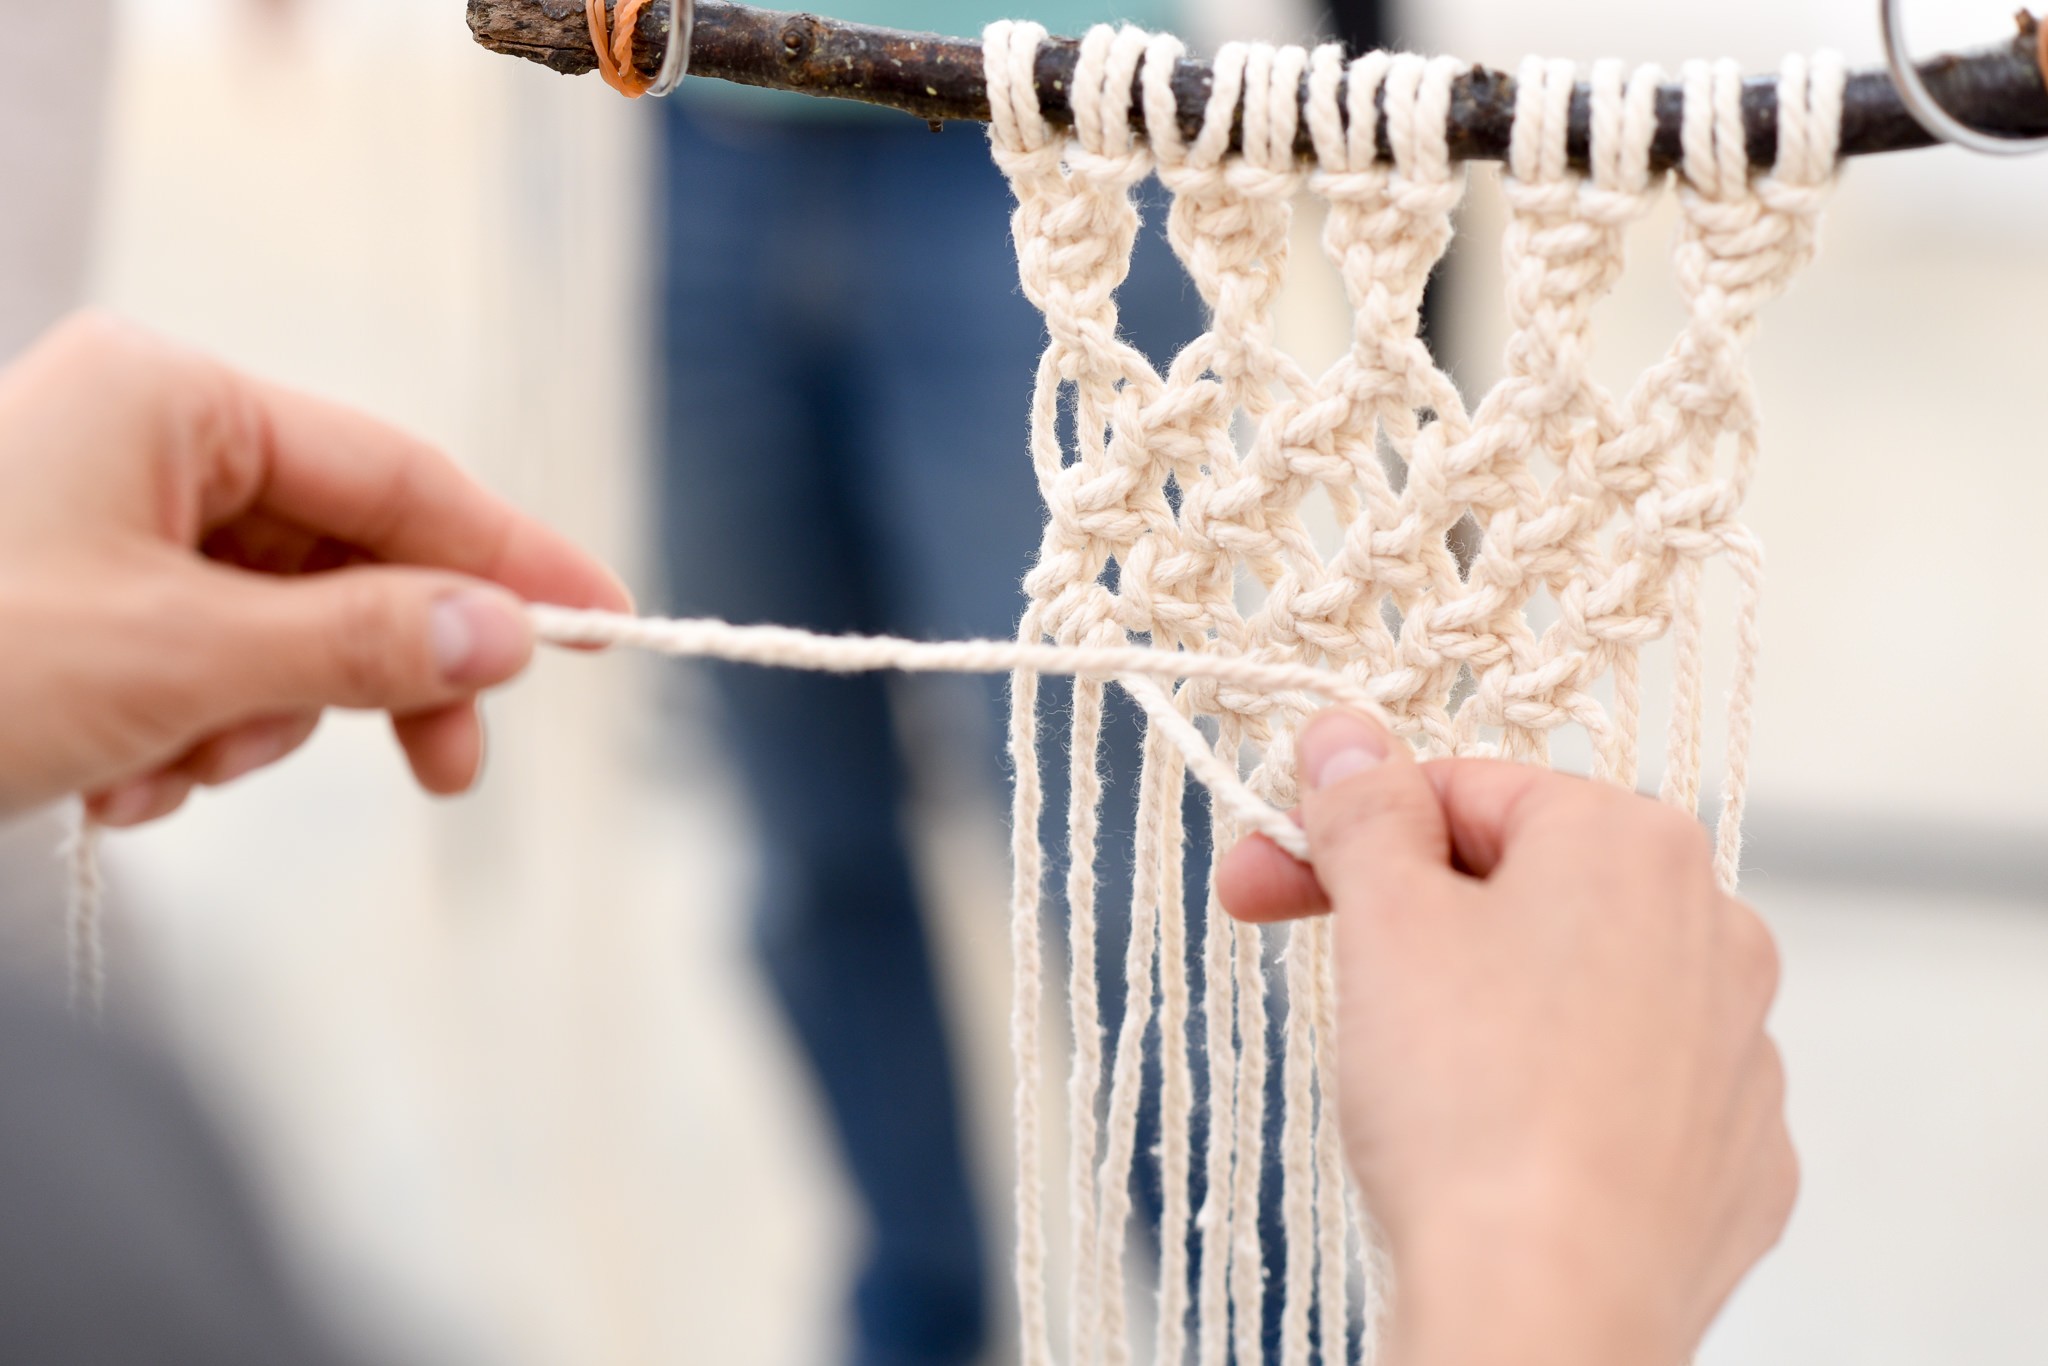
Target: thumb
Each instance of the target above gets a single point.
(370, 638)
(1374, 823)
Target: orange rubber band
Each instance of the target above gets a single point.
(2040, 44)
(614, 44)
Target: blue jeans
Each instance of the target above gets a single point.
(848, 359)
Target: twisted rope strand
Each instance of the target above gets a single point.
(85, 917)
(1132, 666)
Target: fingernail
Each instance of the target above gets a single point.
(130, 804)
(144, 800)
(479, 636)
(258, 749)
(1340, 745)
(623, 599)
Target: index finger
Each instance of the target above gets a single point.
(341, 474)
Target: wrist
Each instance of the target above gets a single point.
(1488, 1297)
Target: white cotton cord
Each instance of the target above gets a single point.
(1133, 666)
(1326, 74)
(1022, 145)
(1624, 126)
(1297, 1148)
(1746, 554)
(1217, 1218)
(1419, 114)
(784, 647)
(1333, 1211)
(1621, 760)
(1272, 105)
(1087, 1296)
(1363, 82)
(1716, 168)
(1127, 1078)
(1715, 141)
(1027, 996)
(1011, 55)
(1411, 131)
(1219, 116)
(1606, 147)
(1685, 748)
(1090, 109)
(85, 916)
(1127, 53)
(1696, 128)
(1162, 105)
(1247, 1256)
(1085, 93)
(1543, 103)
(1108, 162)
(1101, 96)
(1176, 1080)
(1810, 95)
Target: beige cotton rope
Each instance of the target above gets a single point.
(84, 916)
(1177, 562)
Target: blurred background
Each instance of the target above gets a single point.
(506, 1069)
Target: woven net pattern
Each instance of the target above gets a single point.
(1502, 567)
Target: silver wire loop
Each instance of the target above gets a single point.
(675, 58)
(1927, 112)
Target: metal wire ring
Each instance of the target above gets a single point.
(675, 58)
(1929, 114)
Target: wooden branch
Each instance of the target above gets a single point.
(1999, 89)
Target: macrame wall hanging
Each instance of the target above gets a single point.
(1177, 562)
(1175, 526)
(1611, 505)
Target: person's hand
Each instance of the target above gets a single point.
(194, 565)
(1556, 1089)
(275, 12)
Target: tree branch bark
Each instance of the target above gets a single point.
(1999, 89)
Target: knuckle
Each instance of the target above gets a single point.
(225, 419)
(1773, 1066)
(91, 332)
(1784, 1176)
(1758, 960)
(109, 350)
(1403, 886)
(1675, 840)
(1343, 814)
(1576, 808)
(1782, 1180)
(190, 398)
(150, 715)
(1774, 1166)
(371, 658)
(157, 615)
